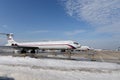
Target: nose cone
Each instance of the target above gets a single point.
(78, 46)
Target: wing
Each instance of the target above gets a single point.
(26, 47)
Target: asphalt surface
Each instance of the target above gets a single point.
(101, 56)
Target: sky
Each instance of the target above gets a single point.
(95, 23)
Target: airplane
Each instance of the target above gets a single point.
(84, 48)
(26, 46)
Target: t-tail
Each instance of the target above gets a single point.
(10, 39)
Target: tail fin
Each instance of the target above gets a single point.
(10, 39)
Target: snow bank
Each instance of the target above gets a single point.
(25, 68)
(53, 63)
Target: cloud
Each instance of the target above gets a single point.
(75, 32)
(113, 28)
(104, 15)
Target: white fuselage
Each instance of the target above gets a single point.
(42, 44)
(51, 44)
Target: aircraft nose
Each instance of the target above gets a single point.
(78, 46)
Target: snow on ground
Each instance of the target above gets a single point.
(25, 68)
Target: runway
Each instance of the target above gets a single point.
(99, 56)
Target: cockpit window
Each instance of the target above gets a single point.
(76, 43)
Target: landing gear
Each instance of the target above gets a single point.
(68, 53)
(23, 51)
(63, 50)
(33, 51)
(26, 52)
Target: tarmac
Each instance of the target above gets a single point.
(100, 56)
